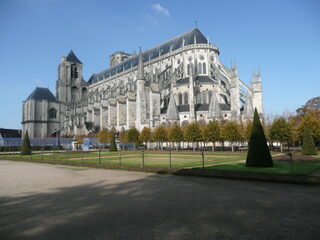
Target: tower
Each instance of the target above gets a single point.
(69, 79)
(141, 102)
(257, 93)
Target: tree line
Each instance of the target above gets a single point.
(286, 131)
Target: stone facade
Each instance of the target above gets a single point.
(179, 81)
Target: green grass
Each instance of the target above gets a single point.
(232, 161)
(161, 159)
(279, 168)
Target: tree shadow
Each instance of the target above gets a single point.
(165, 207)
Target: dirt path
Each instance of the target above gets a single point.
(42, 201)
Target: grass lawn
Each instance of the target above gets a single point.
(179, 159)
(279, 168)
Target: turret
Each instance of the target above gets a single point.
(141, 104)
(257, 92)
(234, 94)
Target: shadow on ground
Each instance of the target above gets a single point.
(165, 207)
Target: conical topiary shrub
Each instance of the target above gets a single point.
(308, 146)
(25, 148)
(258, 153)
(113, 145)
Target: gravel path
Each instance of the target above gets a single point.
(40, 201)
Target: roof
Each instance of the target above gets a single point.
(199, 79)
(175, 43)
(42, 93)
(72, 57)
(10, 133)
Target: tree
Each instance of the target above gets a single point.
(113, 145)
(133, 135)
(212, 132)
(123, 137)
(160, 135)
(146, 135)
(308, 146)
(310, 120)
(258, 152)
(176, 135)
(231, 132)
(25, 148)
(103, 136)
(247, 129)
(280, 130)
(193, 134)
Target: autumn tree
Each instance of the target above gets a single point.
(160, 135)
(310, 120)
(308, 146)
(212, 133)
(133, 135)
(146, 136)
(231, 132)
(123, 137)
(281, 131)
(176, 135)
(103, 136)
(258, 152)
(193, 134)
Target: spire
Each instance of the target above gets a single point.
(172, 112)
(140, 73)
(214, 108)
(73, 58)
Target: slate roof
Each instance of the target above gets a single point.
(42, 93)
(185, 39)
(199, 79)
(10, 133)
(72, 57)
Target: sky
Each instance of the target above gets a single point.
(279, 38)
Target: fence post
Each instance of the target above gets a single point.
(120, 158)
(170, 158)
(5, 153)
(31, 154)
(202, 153)
(42, 154)
(99, 156)
(142, 159)
(54, 156)
(82, 157)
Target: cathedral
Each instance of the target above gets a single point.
(178, 81)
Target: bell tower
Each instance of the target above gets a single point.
(69, 79)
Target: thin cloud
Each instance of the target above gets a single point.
(157, 7)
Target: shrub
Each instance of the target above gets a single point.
(308, 146)
(113, 145)
(25, 148)
(258, 153)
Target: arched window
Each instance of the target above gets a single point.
(198, 97)
(204, 97)
(53, 113)
(200, 68)
(74, 93)
(209, 96)
(83, 94)
(188, 69)
(204, 68)
(74, 71)
(180, 99)
(185, 98)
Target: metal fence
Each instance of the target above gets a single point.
(99, 157)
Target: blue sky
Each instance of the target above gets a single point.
(281, 38)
